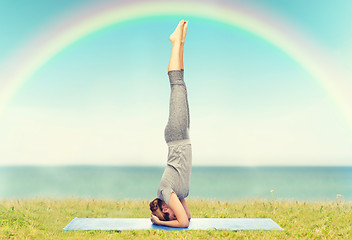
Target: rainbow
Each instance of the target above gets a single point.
(57, 37)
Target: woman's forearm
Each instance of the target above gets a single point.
(173, 223)
(188, 214)
(185, 206)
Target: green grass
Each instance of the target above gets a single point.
(45, 218)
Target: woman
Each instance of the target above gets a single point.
(170, 207)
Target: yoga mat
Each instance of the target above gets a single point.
(120, 224)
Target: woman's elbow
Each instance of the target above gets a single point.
(184, 224)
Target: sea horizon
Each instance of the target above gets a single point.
(159, 165)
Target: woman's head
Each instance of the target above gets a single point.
(160, 209)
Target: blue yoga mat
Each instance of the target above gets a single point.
(195, 223)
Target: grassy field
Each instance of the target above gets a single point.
(45, 218)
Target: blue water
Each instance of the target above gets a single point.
(220, 183)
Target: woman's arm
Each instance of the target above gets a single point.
(177, 207)
(184, 204)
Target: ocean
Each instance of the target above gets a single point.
(208, 183)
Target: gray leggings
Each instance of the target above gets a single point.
(177, 127)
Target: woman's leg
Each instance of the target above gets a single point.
(181, 60)
(177, 127)
(184, 33)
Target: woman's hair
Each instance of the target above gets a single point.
(155, 207)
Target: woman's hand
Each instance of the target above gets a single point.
(154, 219)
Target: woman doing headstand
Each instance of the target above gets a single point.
(170, 207)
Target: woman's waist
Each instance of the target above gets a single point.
(179, 142)
(179, 185)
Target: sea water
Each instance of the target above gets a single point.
(211, 183)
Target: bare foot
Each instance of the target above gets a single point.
(176, 36)
(184, 32)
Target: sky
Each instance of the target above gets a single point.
(103, 100)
